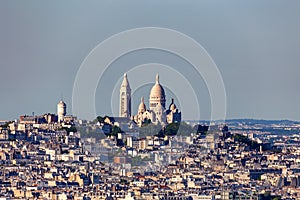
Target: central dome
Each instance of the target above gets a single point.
(157, 91)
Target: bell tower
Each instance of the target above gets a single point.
(125, 98)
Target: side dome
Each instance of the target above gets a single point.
(172, 105)
(142, 106)
(61, 103)
(157, 91)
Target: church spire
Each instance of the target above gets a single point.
(125, 98)
(157, 79)
(125, 82)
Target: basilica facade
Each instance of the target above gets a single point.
(157, 112)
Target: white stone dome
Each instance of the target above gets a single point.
(157, 91)
(142, 106)
(172, 105)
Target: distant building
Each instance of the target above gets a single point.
(50, 118)
(61, 110)
(173, 114)
(125, 98)
(157, 112)
(27, 119)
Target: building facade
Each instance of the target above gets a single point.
(61, 110)
(157, 112)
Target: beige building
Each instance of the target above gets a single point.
(61, 110)
(157, 111)
(125, 98)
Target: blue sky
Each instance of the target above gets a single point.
(255, 45)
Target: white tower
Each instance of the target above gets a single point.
(157, 101)
(125, 98)
(61, 110)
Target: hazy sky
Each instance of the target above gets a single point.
(255, 44)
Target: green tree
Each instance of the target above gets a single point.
(116, 130)
(71, 129)
(101, 119)
(185, 129)
(244, 139)
(150, 130)
(5, 125)
(146, 122)
(172, 129)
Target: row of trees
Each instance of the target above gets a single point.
(150, 129)
(176, 128)
(244, 139)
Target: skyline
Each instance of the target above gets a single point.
(255, 46)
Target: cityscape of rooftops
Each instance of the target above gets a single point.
(132, 100)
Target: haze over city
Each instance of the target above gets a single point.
(140, 100)
(255, 45)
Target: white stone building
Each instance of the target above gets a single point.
(157, 111)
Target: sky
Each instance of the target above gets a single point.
(255, 45)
